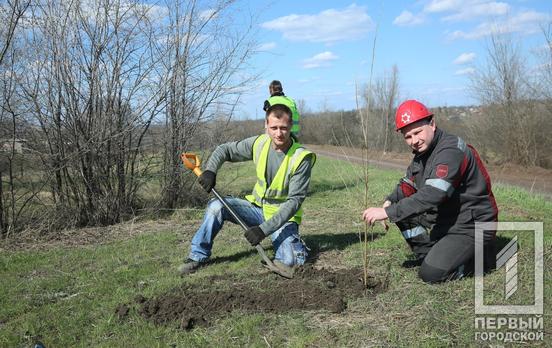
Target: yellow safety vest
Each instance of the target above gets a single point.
(270, 198)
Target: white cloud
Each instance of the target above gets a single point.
(466, 71)
(327, 26)
(481, 31)
(479, 10)
(267, 46)
(462, 10)
(527, 22)
(464, 58)
(407, 18)
(492, 17)
(444, 5)
(323, 59)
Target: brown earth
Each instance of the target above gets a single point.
(311, 289)
(536, 180)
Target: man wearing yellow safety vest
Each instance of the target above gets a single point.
(283, 168)
(277, 96)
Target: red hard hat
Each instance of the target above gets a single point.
(409, 112)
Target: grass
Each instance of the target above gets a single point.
(66, 296)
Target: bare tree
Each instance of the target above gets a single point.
(380, 99)
(509, 126)
(302, 107)
(542, 88)
(546, 59)
(94, 92)
(90, 80)
(15, 199)
(370, 126)
(205, 56)
(387, 94)
(11, 13)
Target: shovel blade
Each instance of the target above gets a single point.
(271, 266)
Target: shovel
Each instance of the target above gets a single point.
(191, 161)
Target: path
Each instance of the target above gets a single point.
(534, 180)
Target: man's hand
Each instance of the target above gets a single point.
(254, 235)
(373, 214)
(208, 180)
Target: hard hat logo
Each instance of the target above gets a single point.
(405, 118)
(409, 112)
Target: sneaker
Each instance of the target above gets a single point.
(412, 263)
(189, 267)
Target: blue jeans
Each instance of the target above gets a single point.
(288, 246)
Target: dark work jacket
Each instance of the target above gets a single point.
(452, 187)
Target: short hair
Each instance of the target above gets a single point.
(423, 122)
(426, 120)
(278, 111)
(276, 86)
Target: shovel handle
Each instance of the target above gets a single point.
(192, 162)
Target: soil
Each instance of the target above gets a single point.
(311, 289)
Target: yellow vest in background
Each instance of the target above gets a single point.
(287, 101)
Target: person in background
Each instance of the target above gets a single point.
(277, 96)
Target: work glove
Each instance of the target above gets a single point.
(207, 180)
(254, 235)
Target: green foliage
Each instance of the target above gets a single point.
(67, 296)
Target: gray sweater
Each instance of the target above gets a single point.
(239, 151)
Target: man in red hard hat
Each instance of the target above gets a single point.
(445, 191)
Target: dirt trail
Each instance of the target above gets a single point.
(533, 179)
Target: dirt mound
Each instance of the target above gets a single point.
(191, 305)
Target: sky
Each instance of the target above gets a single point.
(322, 50)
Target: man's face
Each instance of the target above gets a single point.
(419, 135)
(278, 129)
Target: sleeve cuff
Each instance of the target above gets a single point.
(391, 212)
(264, 228)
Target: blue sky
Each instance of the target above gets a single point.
(321, 49)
